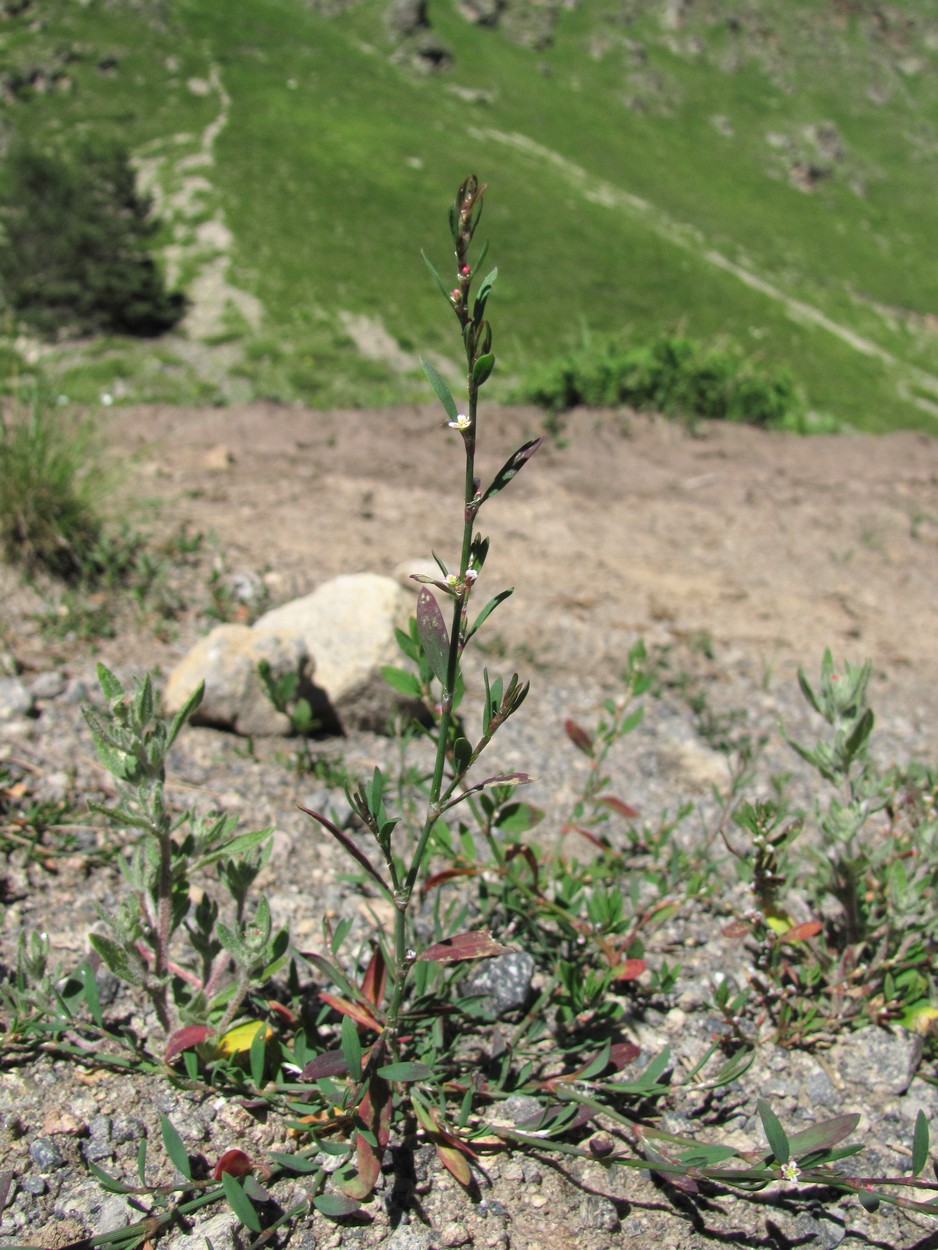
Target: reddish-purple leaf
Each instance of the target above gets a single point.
(447, 874)
(522, 848)
(618, 805)
(375, 980)
(601, 843)
(629, 970)
(474, 944)
(375, 1111)
(737, 929)
(621, 1054)
(185, 1039)
(455, 1162)
(801, 932)
(358, 1011)
(234, 1163)
(345, 841)
(431, 630)
(578, 736)
(329, 1063)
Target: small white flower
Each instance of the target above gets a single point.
(471, 575)
(461, 423)
(790, 1171)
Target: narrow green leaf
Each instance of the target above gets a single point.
(184, 713)
(110, 686)
(117, 959)
(920, 1143)
(775, 1134)
(294, 1163)
(442, 390)
(482, 369)
(257, 1056)
(512, 467)
(405, 1072)
(142, 1160)
(351, 1047)
(334, 1206)
(175, 1148)
(436, 277)
(403, 682)
(462, 755)
(108, 1182)
(85, 974)
(488, 610)
(657, 1067)
(240, 1203)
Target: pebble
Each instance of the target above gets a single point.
(46, 1154)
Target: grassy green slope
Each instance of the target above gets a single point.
(638, 180)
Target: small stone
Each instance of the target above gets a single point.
(492, 1208)
(520, 1108)
(505, 981)
(46, 1154)
(35, 1186)
(48, 685)
(15, 700)
(455, 1234)
(600, 1213)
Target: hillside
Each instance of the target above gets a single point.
(759, 174)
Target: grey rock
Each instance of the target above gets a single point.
(48, 685)
(46, 1154)
(221, 1231)
(35, 1186)
(348, 626)
(15, 700)
(879, 1059)
(97, 1146)
(227, 660)
(599, 1212)
(409, 1239)
(520, 1108)
(505, 981)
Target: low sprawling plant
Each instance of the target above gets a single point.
(132, 741)
(845, 919)
(379, 1032)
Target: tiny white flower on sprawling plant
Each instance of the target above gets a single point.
(471, 575)
(790, 1171)
(461, 423)
(452, 581)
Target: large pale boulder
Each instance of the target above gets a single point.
(227, 661)
(348, 625)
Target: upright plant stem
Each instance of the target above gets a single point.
(468, 207)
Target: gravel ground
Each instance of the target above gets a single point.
(57, 1116)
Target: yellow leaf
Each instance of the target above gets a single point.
(237, 1041)
(922, 1019)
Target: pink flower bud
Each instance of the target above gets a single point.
(456, 296)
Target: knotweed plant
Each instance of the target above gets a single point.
(394, 1040)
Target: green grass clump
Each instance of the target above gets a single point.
(49, 518)
(672, 374)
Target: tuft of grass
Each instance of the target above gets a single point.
(49, 494)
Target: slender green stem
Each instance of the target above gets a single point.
(469, 207)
